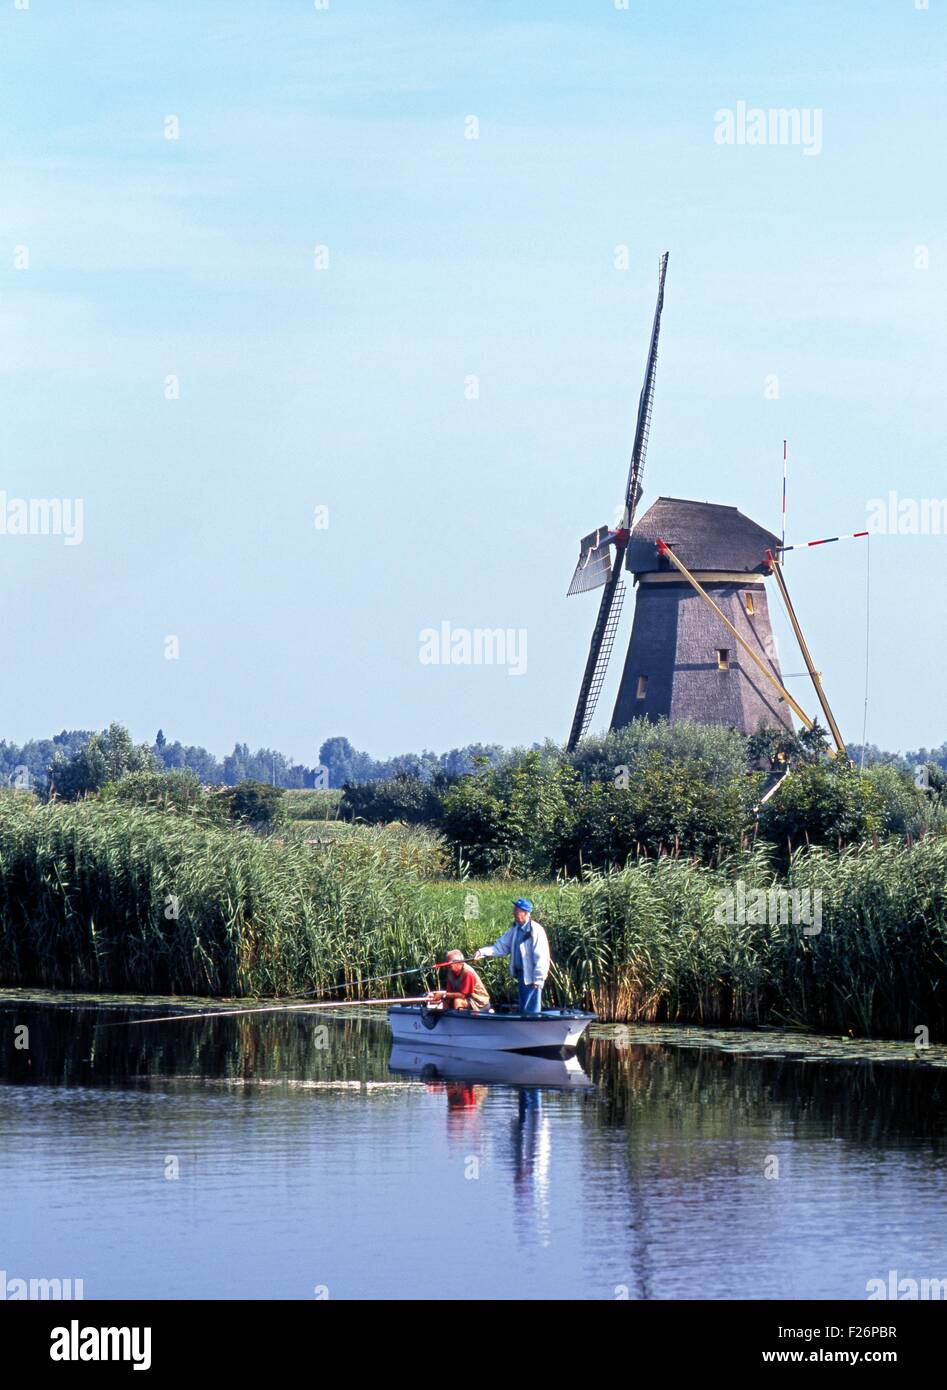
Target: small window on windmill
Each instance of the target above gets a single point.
(642, 687)
(723, 658)
(748, 601)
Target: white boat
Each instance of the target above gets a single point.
(554, 1030)
(562, 1073)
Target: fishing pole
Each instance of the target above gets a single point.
(291, 1007)
(374, 979)
(269, 1009)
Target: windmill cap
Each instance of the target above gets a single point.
(703, 535)
(524, 903)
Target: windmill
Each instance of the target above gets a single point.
(701, 646)
(595, 566)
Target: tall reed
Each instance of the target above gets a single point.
(116, 898)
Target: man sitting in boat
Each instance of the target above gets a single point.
(464, 988)
(527, 946)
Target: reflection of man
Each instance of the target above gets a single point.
(463, 987)
(527, 946)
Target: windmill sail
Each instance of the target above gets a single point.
(599, 569)
(645, 402)
(609, 634)
(595, 562)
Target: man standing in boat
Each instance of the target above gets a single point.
(463, 987)
(527, 945)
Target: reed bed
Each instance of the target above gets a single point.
(120, 899)
(648, 944)
(95, 896)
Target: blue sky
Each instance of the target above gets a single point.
(450, 258)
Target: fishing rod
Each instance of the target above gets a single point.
(269, 1009)
(289, 1007)
(372, 979)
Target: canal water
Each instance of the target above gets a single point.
(297, 1157)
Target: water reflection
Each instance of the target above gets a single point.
(323, 1150)
(503, 1068)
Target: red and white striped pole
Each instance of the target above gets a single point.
(826, 540)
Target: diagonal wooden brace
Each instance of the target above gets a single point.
(665, 549)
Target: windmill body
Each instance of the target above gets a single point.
(701, 646)
(682, 662)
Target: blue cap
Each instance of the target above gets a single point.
(524, 903)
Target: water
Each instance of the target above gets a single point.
(307, 1164)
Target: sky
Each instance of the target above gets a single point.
(333, 319)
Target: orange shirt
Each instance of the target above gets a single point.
(469, 984)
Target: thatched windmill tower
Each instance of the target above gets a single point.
(701, 646)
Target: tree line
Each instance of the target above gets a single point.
(654, 790)
(30, 764)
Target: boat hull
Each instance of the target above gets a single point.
(553, 1030)
(517, 1069)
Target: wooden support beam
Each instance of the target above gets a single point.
(665, 549)
(815, 675)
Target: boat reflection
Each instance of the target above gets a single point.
(464, 1077)
(522, 1069)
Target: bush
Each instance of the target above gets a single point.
(776, 748)
(720, 753)
(255, 804)
(401, 798)
(659, 808)
(822, 804)
(180, 790)
(651, 942)
(97, 895)
(900, 802)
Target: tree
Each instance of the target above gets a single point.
(344, 763)
(104, 757)
(512, 817)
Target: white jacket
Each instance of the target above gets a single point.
(527, 945)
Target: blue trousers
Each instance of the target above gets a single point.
(531, 997)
